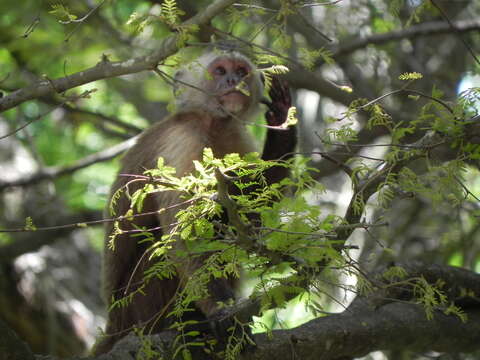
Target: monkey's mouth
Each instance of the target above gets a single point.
(233, 92)
(233, 97)
(234, 100)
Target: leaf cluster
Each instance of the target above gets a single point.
(290, 227)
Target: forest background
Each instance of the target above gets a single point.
(387, 99)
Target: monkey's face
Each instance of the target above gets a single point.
(230, 83)
(224, 85)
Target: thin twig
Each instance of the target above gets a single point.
(81, 96)
(399, 91)
(31, 27)
(467, 191)
(97, 222)
(309, 25)
(80, 21)
(454, 28)
(321, 4)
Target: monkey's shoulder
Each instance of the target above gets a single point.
(173, 138)
(181, 122)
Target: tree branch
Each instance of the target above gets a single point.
(395, 326)
(11, 346)
(106, 69)
(362, 328)
(56, 171)
(425, 29)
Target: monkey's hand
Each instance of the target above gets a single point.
(281, 101)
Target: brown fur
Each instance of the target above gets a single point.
(179, 139)
(124, 267)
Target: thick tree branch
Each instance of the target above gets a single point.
(106, 69)
(395, 326)
(425, 29)
(11, 346)
(364, 327)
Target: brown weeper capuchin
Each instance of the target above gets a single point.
(211, 113)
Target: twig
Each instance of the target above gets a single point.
(231, 208)
(271, 230)
(31, 27)
(467, 190)
(80, 21)
(454, 28)
(97, 222)
(321, 4)
(263, 48)
(399, 91)
(309, 25)
(360, 225)
(251, 6)
(82, 95)
(340, 164)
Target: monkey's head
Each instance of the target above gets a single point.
(223, 83)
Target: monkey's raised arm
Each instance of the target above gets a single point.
(279, 143)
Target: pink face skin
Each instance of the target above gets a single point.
(227, 73)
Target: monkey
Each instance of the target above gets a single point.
(214, 96)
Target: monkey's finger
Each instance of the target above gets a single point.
(284, 91)
(280, 91)
(275, 107)
(275, 93)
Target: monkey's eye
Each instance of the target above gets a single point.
(220, 70)
(242, 72)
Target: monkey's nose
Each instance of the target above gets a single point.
(232, 80)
